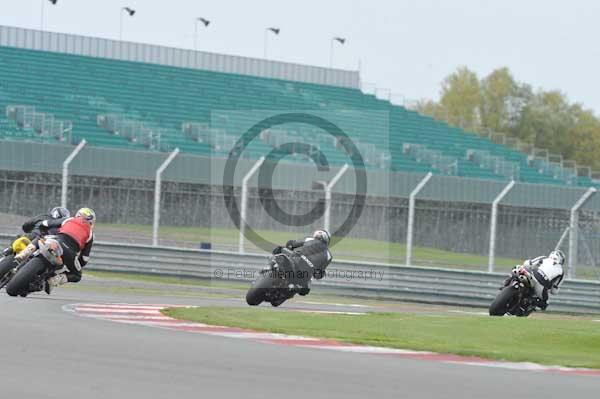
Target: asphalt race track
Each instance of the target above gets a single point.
(50, 353)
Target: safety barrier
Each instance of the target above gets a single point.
(350, 278)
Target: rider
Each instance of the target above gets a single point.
(313, 257)
(34, 227)
(35, 224)
(547, 274)
(76, 236)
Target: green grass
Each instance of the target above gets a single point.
(189, 281)
(573, 342)
(349, 248)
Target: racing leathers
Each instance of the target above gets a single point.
(547, 276)
(35, 228)
(311, 258)
(76, 237)
(38, 226)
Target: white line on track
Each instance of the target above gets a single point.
(328, 312)
(469, 313)
(350, 305)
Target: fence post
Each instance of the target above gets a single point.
(411, 216)
(65, 172)
(562, 238)
(574, 229)
(244, 205)
(493, 223)
(328, 187)
(157, 192)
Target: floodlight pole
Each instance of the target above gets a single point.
(121, 28)
(411, 216)
(65, 172)
(157, 193)
(266, 42)
(331, 53)
(244, 202)
(574, 229)
(42, 16)
(328, 187)
(494, 223)
(196, 34)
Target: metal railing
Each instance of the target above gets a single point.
(356, 279)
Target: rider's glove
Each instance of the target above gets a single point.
(289, 244)
(319, 274)
(277, 250)
(542, 304)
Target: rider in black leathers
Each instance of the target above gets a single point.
(311, 258)
(34, 228)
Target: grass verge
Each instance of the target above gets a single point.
(574, 343)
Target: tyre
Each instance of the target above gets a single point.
(504, 301)
(6, 264)
(19, 284)
(278, 302)
(256, 293)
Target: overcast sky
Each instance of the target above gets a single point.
(408, 46)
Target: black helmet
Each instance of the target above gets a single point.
(58, 212)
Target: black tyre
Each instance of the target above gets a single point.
(256, 294)
(504, 301)
(6, 264)
(19, 284)
(278, 302)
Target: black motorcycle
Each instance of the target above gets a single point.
(279, 281)
(516, 297)
(8, 263)
(30, 276)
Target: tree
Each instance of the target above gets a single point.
(584, 137)
(461, 98)
(431, 108)
(501, 103)
(545, 122)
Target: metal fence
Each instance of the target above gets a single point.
(357, 279)
(449, 213)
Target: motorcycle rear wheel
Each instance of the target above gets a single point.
(503, 301)
(19, 284)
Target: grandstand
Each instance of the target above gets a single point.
(55, 96)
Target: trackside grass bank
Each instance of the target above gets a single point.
(565, 342)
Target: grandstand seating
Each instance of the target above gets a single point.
(134, 105)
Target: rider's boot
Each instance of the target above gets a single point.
(55, 281)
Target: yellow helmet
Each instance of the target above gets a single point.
(88, 214)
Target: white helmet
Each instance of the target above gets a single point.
(557, 256)
(322, 235)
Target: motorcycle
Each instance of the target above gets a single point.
(8, 264)
(31, 275)
(517, 296)
(275, 283)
